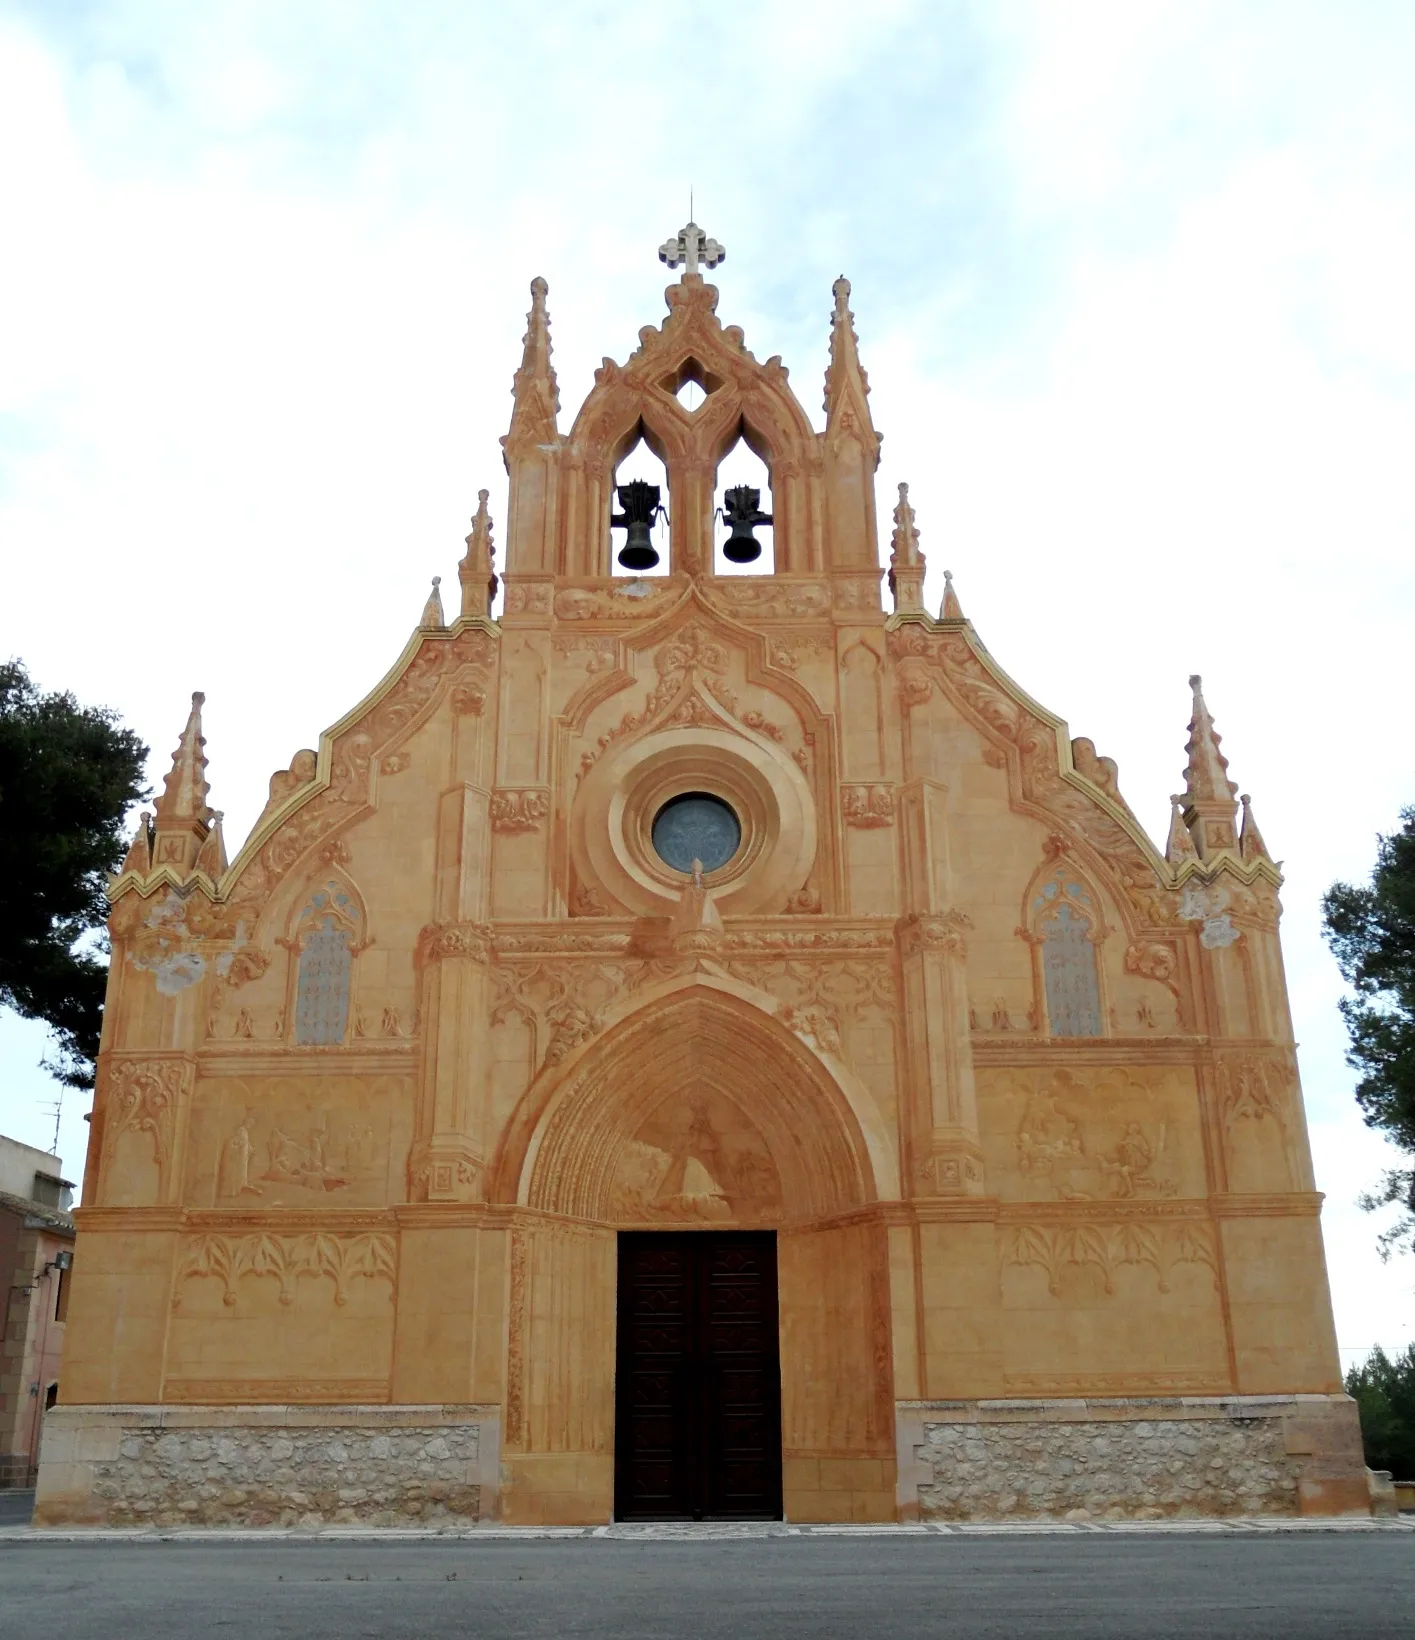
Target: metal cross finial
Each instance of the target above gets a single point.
(690, 246)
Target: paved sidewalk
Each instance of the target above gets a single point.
(709, 1531)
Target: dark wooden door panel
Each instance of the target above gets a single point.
(698, 1390)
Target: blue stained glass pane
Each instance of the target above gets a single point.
(696, 826)
(322, 990)
(1069, 972)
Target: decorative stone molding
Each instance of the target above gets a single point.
(438, 1173)
(948, 1167)
(519, 808)
(867, 806)
(620, 600)
(528, 597)
(769, 597)
(466, 939)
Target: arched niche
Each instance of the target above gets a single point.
(742, 463)
(749, 1123)
(641, 454)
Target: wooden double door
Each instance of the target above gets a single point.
(698, 1381)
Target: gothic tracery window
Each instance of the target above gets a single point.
(326, 961)
(1066, 924)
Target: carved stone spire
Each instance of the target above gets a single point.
(535, 392)
(185, 791)
(847, 387)
(1250, 840)
(851, 448)
(906, 561)
(432, 609)
(477, 571)
(182, 822)
(952, 610)
(1209, 808)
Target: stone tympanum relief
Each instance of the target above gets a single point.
(696, 1159)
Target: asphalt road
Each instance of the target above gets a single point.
(1301, 1587)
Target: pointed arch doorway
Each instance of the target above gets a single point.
(696, 1114)
(698, 1377)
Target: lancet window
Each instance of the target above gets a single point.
(327, 940)
(1067, 923)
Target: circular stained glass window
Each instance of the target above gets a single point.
(696, 826)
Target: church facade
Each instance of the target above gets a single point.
(697, 1045)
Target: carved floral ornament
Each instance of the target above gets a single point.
(945, 932)
(142, 1095)
(1159, 1245)
(867, 806)
(288, 1260)
(519, 808)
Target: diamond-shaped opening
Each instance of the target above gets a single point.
(691, 383)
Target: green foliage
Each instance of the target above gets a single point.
(1385, 1392)
(1371, 930)
(68, 776)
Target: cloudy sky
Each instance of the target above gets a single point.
(1134, 283)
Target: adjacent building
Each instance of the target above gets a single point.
(36, 1256)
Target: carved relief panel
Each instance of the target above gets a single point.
(1091, 1134)
(299, 1141)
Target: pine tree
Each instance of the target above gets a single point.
(68, 776)
(1371, 930)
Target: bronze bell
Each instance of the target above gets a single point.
(741, 514)
(639, 500)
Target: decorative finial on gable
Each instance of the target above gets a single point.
(535, 391)
(432, 609)
(952, 610)
(1250, 840)
(138, 859)
(906, 561)
(477, 570)
(847, 387)
(688, 247)
(1180, 845)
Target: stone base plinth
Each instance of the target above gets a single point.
(268, 1465)
(1143, 1459)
